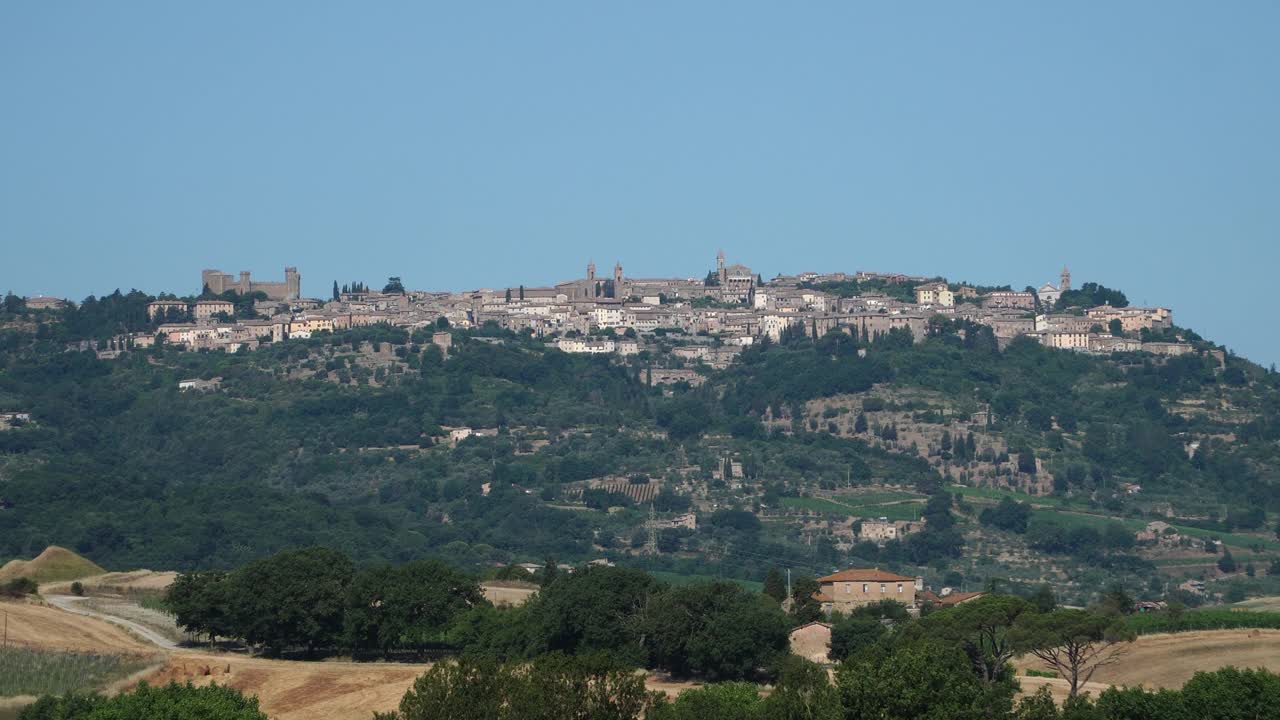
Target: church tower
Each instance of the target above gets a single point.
(618, 290)
(721, 272)
(591, 269)
(1066, 279)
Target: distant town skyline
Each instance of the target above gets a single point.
(463, 147)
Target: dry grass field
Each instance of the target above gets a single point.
(508, 592)
(1168, 661)
(1262, 604)
(42, 626)
(294, 690)
(135, 581)
(54, 564)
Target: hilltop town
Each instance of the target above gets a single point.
(730, 308)
(694, 423)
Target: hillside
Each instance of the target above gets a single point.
(55, 564)
(374, 442)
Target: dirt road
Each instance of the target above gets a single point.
(74, 604)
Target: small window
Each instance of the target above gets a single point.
(899, 588)
(864, 587)
(881, 588)
(848, 588)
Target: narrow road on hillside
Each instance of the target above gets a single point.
(72, 604)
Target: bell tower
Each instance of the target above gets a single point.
(721, 272)
(591, 269)
(1066, 279)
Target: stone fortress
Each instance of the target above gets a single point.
(219, 282)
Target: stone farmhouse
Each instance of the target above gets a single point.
(849, 590)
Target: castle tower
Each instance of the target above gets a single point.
(591, 269)
(618, 290)
(1066, 279)
(292, 283)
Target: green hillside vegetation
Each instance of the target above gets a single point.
(343, 440)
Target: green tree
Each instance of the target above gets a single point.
(1009, 515)
(719, 631)
(1232, 694)
(715, 701)
(1039, 706)
(853, 634)
(804, 607)
(775, 586)
(803, 691)
(984, 629)
(198, 602)
(213, 702)
(295, 598)
(409, 605)
(1075, 643)
(550, 688)
(928, 680)
(1043, 598)
(1227, 563)
(393, 286)
(594, 609)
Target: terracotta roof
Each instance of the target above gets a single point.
(856, 575)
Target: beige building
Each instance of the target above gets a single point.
(45, 303)
(811, 641)
(883, 530)
(851, 589)
(935, 294)
(1065, 340)
(206, 309)
(306, 325)
(1010, 299)
(162, 307)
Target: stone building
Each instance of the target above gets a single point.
(208, 309)
(851, 589)
(219, 282)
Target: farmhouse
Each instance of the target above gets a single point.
(851, 589)
(811, 641)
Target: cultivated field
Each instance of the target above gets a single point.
(295, 690)
(133, 582)
(41, 626)
(1262, 604)
(1168, 661)
(342, 690)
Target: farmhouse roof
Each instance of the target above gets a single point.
(864, 575)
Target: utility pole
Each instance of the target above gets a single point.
(788, 583)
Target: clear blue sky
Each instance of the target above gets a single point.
(494, 143)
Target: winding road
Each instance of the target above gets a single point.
(71, 604)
